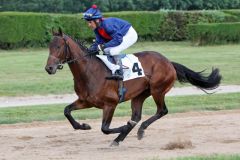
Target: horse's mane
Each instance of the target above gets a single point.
(81, 43)
(83, 46)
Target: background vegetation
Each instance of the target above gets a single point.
(34, 29)
(210, 157)
(177, 104)
(75, 6)
(214, 33)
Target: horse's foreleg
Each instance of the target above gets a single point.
(136, 105)
(67, 112)
(108, 112)
(126, 129)
(107, 118)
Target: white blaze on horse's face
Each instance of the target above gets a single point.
(56, 51)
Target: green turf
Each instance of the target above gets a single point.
(210, 157)
(175, 104)
(22, 71)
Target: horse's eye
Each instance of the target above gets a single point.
(58, 47)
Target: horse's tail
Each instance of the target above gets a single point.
(198, 79)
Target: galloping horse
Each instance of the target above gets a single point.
(94, 90)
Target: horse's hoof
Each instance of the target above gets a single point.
(114, 143)
(140, 134)
(85, 126)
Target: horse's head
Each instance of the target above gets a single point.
(58, 52)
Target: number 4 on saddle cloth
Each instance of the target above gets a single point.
(132, 67)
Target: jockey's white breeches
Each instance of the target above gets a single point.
(129, 39)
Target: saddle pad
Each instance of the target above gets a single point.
(132, 67)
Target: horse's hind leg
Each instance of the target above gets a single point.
(67, 112)
(136, 105)
(161, 111)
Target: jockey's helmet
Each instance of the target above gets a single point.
(92, 13)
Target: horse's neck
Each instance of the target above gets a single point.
(85, 69)
(78, 66)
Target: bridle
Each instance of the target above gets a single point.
(67, 52)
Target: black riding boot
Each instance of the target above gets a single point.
(118, 75)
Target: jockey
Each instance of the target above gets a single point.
(113, 35)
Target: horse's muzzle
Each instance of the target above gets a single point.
(51, 69)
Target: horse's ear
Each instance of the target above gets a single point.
(54, 32)
(60, 31)
(57, 33)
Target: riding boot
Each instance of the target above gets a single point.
(118, 75)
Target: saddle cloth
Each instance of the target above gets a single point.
(132, 67)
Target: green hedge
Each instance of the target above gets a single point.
(214, 33)
(23, 29)
(233, 12)
(18, 29)
(146, 23)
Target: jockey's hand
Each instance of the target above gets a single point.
(93, 51)
(101, 48)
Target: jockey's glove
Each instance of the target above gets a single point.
(101, 47)
(93, 50)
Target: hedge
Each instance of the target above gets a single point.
(19, 29)
(233, 12)
(214, 33)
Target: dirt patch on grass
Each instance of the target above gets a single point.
(178, 144)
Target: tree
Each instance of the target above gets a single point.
(76, 6)
(195, 5)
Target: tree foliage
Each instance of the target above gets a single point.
(75, 6)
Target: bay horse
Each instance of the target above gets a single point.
(93, 90)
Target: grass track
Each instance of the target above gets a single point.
(22, 71)
(175, 104)
(210, 157)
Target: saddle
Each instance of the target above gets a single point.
(132, 69)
